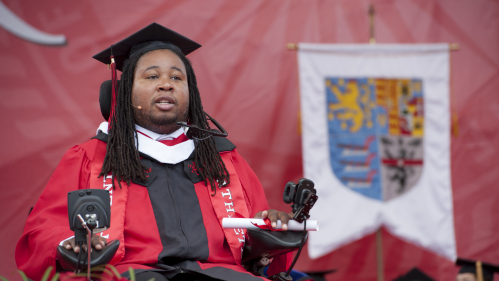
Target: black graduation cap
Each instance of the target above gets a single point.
(415, 274)
(150, 38)
(475, 267)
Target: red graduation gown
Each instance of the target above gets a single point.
(144, 246)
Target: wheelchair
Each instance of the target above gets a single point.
(262, 246)
(91, 209)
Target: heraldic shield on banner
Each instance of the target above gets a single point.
(376, 129)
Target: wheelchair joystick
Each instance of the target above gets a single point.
(302, 196)
(89, 212)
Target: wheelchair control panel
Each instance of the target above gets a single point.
(302, 196)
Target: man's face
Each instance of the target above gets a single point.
(160, 89)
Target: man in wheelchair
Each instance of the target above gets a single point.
(169, 188)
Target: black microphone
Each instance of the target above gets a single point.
(194, 132)
(197, 133)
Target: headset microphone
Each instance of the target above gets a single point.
(194, 132)
(137, 106)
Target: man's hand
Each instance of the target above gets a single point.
(275, 215)
(97, 243)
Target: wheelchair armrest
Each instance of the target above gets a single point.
(68, 258)
(264, 243)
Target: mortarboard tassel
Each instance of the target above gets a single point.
(114, 87)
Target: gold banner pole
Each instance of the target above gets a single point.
(372, 39)
(452, 46)
(479, 271)
(454, 116)
(379, 255)
(380, 266)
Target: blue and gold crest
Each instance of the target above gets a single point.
(376, 131)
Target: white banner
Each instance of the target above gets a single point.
(376, 142)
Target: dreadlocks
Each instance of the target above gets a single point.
(122, 157)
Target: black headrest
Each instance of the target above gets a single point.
(105, 98)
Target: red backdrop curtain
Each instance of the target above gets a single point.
(248, 82)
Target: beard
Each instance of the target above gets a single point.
(160, 124)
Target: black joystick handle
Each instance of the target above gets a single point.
(91, 223)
